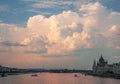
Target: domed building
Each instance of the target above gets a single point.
(101, 66)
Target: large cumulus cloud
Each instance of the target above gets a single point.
(94, 25)
(62, 33)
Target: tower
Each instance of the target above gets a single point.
(101, 62)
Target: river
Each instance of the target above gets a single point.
(56, 78)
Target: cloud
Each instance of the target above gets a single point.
(92, 26)
(79, 3)
(3, 8)
(113, 36)
(1, 39)
(7, 43)
(11, 36)
(1, 21)
(47, 3)
(48, 7)
(38, 11)
(69, 30)
(12, 33)
(61, 31)
(117, 57)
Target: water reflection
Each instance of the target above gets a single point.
(55, 78)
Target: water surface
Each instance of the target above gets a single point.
(57, 78)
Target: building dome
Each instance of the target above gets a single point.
(101, 62)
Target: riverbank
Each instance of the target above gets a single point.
(106, 75)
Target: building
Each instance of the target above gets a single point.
(116, 68)
(102, 67)
(4, 69)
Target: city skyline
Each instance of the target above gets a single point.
(59, 33)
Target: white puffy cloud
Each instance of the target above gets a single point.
(11, 32)
(94, 25)
(38, 24)
(112, 36)
(63, 32)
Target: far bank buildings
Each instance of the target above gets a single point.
(102, 67)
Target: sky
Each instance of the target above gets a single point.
(59, 33)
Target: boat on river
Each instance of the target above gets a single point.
(75, 75)
(3, 75)
(34, 75)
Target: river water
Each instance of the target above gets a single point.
(56, 78)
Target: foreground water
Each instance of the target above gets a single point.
(57, 78)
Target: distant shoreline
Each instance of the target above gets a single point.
(84, 72)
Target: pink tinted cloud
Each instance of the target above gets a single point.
(116, 57)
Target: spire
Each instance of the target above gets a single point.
(101, 60)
